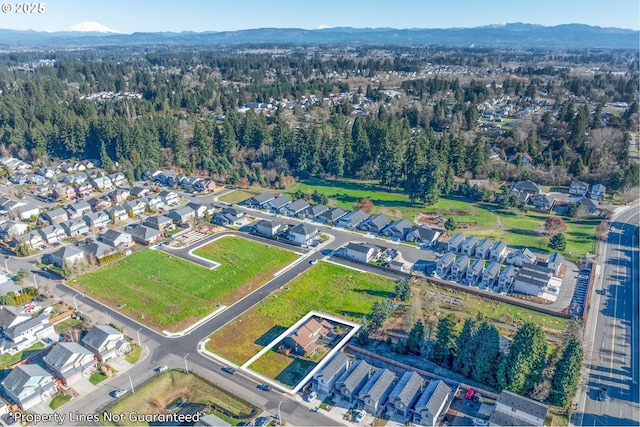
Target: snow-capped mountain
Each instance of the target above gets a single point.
(91, 27)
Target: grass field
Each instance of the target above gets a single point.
(157, 394)
(97, 377)
(133, 356)
(58, 401)
(7, 360)
(325, 287)
(287, 370)
(238, 196)
(168, 292)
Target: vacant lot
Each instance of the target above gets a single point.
(168, 292)
(155, 396)
(325, 287)
(285, 369)
(238, 196)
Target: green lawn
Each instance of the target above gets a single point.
(58, 401)
(238, 196)
(326, 287)
(168, 292)
(7, 360)
(97, 377)
(133, 356)
(286, 370)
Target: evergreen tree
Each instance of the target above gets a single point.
(522, 368)
(450, 224)
(445, 345)
(403, 290)
(487, 353)
(567, 374)
(415, 338)
(466, 346)
(558, 242)
(380, 313)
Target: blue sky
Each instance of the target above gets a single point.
(220, 15)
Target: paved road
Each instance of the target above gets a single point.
(612, 332)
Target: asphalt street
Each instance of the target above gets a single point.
(611, 359)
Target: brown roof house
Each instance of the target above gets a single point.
(304, 341)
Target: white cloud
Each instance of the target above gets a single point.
(323, 27)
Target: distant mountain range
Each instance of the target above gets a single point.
(517, 35)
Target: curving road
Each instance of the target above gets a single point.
(611, 332)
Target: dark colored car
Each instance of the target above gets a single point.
(603, 394)
(264, 387)
(229, 370)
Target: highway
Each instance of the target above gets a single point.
(611, 332)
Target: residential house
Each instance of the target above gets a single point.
(24, 332)
(433, 403)
(474, 272)
(511, 409)
(139, 191)
(28, 385)
(350, 383)
(135, 207)
(99, 203)
(578, 188)
(55, 216)
(205, 185)
(115, 238)
(117, 179)
(324, 380)
(303, 233)
(375, 224)
(47, 173)
(362, 252)
(159, 222)
(97, 220)
(8, 286)
(304, 341)
(61, 193)
(269, 228)
(167, 177)
(75, 227)
(543, 201)
(554, 262)
(153, 202)
(83, 189)
(598, 192)
(505, 280)
(188, 182)
(18, 209)
(312, 212)
(331, 216)
(10, 229)
(532, 279)
(397, 229)
(469, 245)
(455, 243)
(529, 187)
(144, 235)
(373, 395)
(443, 266)
(228, 216)
(423, 234)
(96, 249)
(70, 362)
(483, 248)
(460, 267)
(353, 219)
(278, 203)
(521, 257)
(497, 251)
(169, 198)
(490, 274)
(102, 183)
(106, 342)
(259, 201)
(198, 208)
(405, 394)
(294, 208)
(18, 178)
(78, 209)
(119, 195)
(69, 254)
(589, 205)
(211, 420)
(32, 239)
(182, 215)
(52, 234)
(119, 213)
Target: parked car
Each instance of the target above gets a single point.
(360, 416)
(229, 370)
(312, 395)
(262, 421)
(603, 394)
(162, 368)
(477, 397)
(120, 392)
(264, 387)
(313, 261)
(469, 394)
(480, 422)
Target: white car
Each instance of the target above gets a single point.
(311, 396)
(480, 422)
(360, 416)
(120, 392)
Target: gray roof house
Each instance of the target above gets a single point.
(259, 200)
(278, 203)
(106, 342)
(97, 220)
(521, 257)
(227, 216)
(303, 233)
(514, 410)
(25, 333)
(119, 213)
(483, 248)
(143, 235)
(353, 219)
(432, 403)
(55, 216)
(28, 385)
(375, 224)
(490, 274)
(350, 383)
(70, 362)
(443, 266)
(543, 201)
(469, 245)
(578, 188)
(497, 251)
(405, 394)
(598, 192)
(11, 229)
(52, 233)
(361, 252)
(115, 238)
(455, 242)
(532, 279)
(373, 394)
(182, 215)
(139, 191)
(505, 280)
(198, 208)
(459, 268)
(102, 183)
(135, 207)
(324, 380)
(527, 186)
(423, 234)
(313, 211)
(268, 228)
(75, 227)
(294, 208)
(159, 222)
(591, 206)
(554, 262)
(331, 216)
(8, 286)
(78, 209)
(68, 254)
(96, 249)
(474, 272)
(397, 229)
